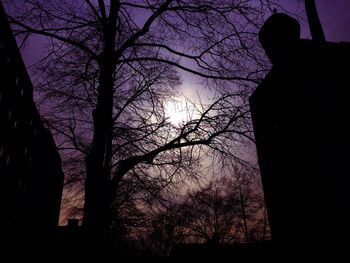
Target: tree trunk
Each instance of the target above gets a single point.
(314, 21)
(244, 217)
(97, 192)
(98, 195)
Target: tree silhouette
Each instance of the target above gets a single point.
(166, 229)
(226, 211)
(107, 70)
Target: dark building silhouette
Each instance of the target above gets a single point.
(301, 119)
(31, 177)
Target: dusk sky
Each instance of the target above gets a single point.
(334, 16)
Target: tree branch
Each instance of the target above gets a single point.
(172, 63)
(93, 9)
(143, 30)
(102, 6)
(54, 36)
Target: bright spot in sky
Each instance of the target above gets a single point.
(179, 110)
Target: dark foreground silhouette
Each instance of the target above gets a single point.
(30, 165)
(301, 118)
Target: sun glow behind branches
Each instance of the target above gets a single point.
(180, 110)
(189, 104)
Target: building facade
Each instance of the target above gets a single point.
(30, 165)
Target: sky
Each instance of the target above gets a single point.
(334, 16)
(335, 19)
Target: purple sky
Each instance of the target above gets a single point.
(334, 16)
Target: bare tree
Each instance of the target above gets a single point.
(212, 216)
(228, 210)
(166, 229)
(109, 66)
(245, 191)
